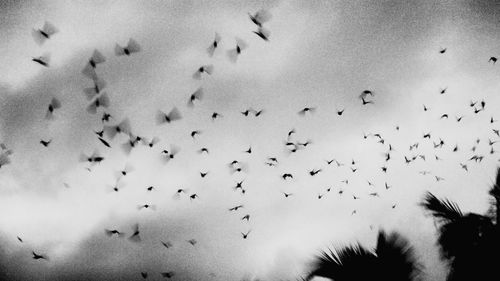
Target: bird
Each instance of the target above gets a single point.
(493, 60)
(53, 105)
(43, 60)
(306, 109)
(192, 241)
(365, 102)
(166, 244)
(245, 235)
(287, 175)
(104, 142)
(111, 232)
(214, 45)
(216, 115)
(263, 33)
(92, 92)
(464, 166)
(131, 47)
(442, 50)
(40, 35)
(314, 172)
(235, 208)
(38, 256)
(105, 117)
(260, 17)
(121, 128)
(257, 113)
(168, 274)
(45, 143)
(233, 54)
(100, 101)
(208, 69)
(443, 90)
(146, 206)
(94, 60)
(196, 95)
(173, 115)
(194, 133)
(135, 237)
(366, 93)
(287, 194)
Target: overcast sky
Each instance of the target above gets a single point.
(320, 54)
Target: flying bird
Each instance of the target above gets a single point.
(214, 45)
(263, 33)
(260, 17)
(132, 47)
(44, 33)
(173, 115)
(208, 69)
(100, 101)
(234, 54)
(197, 95)
(43, 60)
(53, 105)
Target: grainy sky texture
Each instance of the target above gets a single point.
(320, 54)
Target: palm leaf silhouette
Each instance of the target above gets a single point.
(443, 210)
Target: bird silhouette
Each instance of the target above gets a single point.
(173, 115)
(53, 105)
(208, 69)
(213, 46)
(40, 35)
(43, 60)
(260, 17)
(132, 47)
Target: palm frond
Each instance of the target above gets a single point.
(443, 210)
(349, 263)
(396, 258)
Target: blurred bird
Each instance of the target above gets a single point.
(42, 60)
(38, 256)
(245, 235)
(100, 101)
(263, 33)
(307, 109)
(45, 143)
(54, 104)
(132, 47)
(208, 69)
(121, 128)
(94, 60)
(493, 60)
(91, 92)
(113, 232)
(260, 17)
(233, 54)
(44, 33)
(197, 95)
(168, 274)
(214, 45)
(173, 115)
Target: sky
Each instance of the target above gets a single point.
(320, 54)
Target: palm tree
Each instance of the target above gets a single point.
(393, 259)
(468, 242)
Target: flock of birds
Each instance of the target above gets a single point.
(99, 102)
